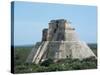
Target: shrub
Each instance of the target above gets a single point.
(47, 62)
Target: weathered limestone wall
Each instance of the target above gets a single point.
(44, 34)
(81, 50)
(68, 49)
(56, 30)
(70, 35)
(59, 41)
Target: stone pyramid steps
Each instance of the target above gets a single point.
(60, 41)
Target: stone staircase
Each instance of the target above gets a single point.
(32, 53)
(40, 52)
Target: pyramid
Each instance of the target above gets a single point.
(59, 41)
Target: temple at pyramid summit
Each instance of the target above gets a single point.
(59, 41)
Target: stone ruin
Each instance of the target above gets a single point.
(59, 41)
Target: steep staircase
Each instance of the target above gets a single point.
(40, 52)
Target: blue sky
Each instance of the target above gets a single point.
(30, 18)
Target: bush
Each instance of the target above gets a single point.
(47, 62)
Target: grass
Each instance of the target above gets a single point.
(22, 52)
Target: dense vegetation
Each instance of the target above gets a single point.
(21, 54)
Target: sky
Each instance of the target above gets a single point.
(31, 18)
